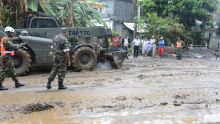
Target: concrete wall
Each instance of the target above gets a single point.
(215, 38)
(124, 11)
(119, 11)
(215, 42)
(109, 10)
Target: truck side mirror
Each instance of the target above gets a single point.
(24, 33)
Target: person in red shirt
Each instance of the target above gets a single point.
(116, 42)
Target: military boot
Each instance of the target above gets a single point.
(2, 87)
(61, 86)
(18, 84)
(48, 85)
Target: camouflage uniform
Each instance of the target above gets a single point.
(7, 64)
(59, 47)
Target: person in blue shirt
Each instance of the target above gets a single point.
(161, 46)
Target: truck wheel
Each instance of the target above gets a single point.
(84, 58)
(22, 62)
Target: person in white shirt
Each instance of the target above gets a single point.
(153, 43)
(136, 43)
(126, 43)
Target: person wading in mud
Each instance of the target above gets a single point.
(60, 48)
(179, 48)
(6, 58)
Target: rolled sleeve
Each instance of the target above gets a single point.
(12, 46)
(66, 45)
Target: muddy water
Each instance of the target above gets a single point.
(45, 117)
(145, 90)
(126, 117)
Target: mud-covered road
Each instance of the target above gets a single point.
(146, 90)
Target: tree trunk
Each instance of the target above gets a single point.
(1, 13)
(21, 13)
(69, 20)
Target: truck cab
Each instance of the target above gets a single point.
(48, 27)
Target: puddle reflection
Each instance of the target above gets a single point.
(136, 117)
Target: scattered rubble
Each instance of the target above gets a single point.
(36, 107)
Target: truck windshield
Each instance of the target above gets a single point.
(43, 23)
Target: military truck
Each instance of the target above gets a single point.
(89, 45)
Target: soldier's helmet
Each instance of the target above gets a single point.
(64, 30)
(9, 29)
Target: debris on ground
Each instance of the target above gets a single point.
(121, 98)
(36, 107)
(196, 55)
(163, 103)
(176, 103)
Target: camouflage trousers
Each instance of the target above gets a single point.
(7, 69)
(179, 52)
(59, 67)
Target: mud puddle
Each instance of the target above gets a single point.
(154, 115)
(43, 117)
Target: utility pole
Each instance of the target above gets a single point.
(169, 3)
(137, 13)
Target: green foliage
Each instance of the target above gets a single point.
(79, 13)
(7, 18)
(188, 11)
(179, 17)
(154, 6)
(68, 12)
(158, 26)
(85, 13)
(92, 0)
(33, 5)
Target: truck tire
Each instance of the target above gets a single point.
(84, 58)
(22, 62)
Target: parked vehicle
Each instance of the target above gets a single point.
(89, 45)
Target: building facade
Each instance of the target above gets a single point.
(116, 13)
(214, 35)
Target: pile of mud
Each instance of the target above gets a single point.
(198, 52)
(36, 108)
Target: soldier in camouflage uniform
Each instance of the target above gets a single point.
(6, 60)
(60, 48)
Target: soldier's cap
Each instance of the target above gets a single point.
(64, 30)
